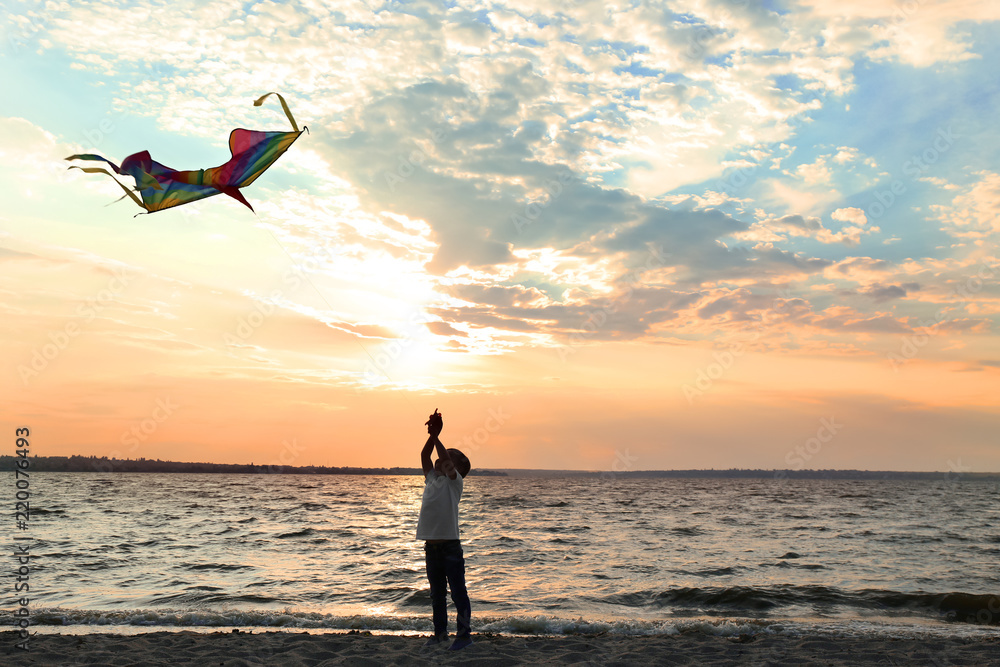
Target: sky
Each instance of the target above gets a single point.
(596, 235)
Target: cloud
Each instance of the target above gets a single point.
(804, 226)
(860, 269)
(506, 170)
(815, 173)
(850, 214)
(846, 319)
(7, 254)
(445, 329)
(974, 212)
(773, 230)
(882, 293)
(641, 87)
(921, 34)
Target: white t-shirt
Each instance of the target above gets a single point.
(439, 507)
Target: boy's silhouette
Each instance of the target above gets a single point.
(438, 526)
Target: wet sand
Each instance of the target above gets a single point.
(291, 649)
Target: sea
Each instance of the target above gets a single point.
(139, 552)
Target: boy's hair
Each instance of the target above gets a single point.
(461, 461)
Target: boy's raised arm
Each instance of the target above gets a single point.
(434, 425)
(448, 466)
(425, 455)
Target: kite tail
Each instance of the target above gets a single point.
(260, 100)
(99, 170)
(98, 158)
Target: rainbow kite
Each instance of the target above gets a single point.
(162, 187)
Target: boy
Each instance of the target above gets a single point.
(438, 526)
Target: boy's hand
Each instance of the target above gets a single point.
(435, 424)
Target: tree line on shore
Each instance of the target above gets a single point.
(104, 464)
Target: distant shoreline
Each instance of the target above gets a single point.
(104, 464)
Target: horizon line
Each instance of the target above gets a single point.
(953, 474)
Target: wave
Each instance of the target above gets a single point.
(969, 608)
(41, 511)
(130, 620)
(313, 507)
(716, 572)
(298, 533)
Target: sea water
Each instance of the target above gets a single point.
(112, 552)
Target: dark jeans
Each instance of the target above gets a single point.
(446, 567)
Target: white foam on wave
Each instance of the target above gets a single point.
(81, 621)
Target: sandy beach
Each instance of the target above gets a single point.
(290, 649)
